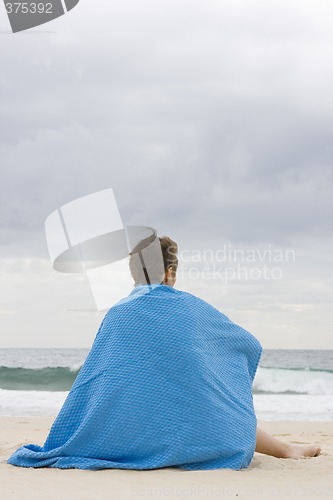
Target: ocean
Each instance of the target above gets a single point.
(289, 385)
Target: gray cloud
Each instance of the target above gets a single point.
(212, 122)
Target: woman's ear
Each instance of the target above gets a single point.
(170, 276)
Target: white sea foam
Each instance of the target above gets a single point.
(30, 403)
(293, 407)
(268, 407)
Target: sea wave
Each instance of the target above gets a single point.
(293, 381)
(267, 380)
(38, 379)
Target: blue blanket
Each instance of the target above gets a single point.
(167, 383)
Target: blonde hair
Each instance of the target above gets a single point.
(145, 262)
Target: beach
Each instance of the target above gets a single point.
(266, 477)
(293, 399)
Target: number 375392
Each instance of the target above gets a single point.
(28, 8)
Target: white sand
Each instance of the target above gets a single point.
(266, 478)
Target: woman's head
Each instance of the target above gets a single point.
(154, 260)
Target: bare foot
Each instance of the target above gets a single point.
(296, 451)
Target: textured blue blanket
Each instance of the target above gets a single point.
(167, 383)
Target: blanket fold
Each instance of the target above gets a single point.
(167, 383)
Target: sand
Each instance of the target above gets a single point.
(266, 477)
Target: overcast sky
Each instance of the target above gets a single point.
(211, 120)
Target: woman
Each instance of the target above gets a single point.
(167, 383)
